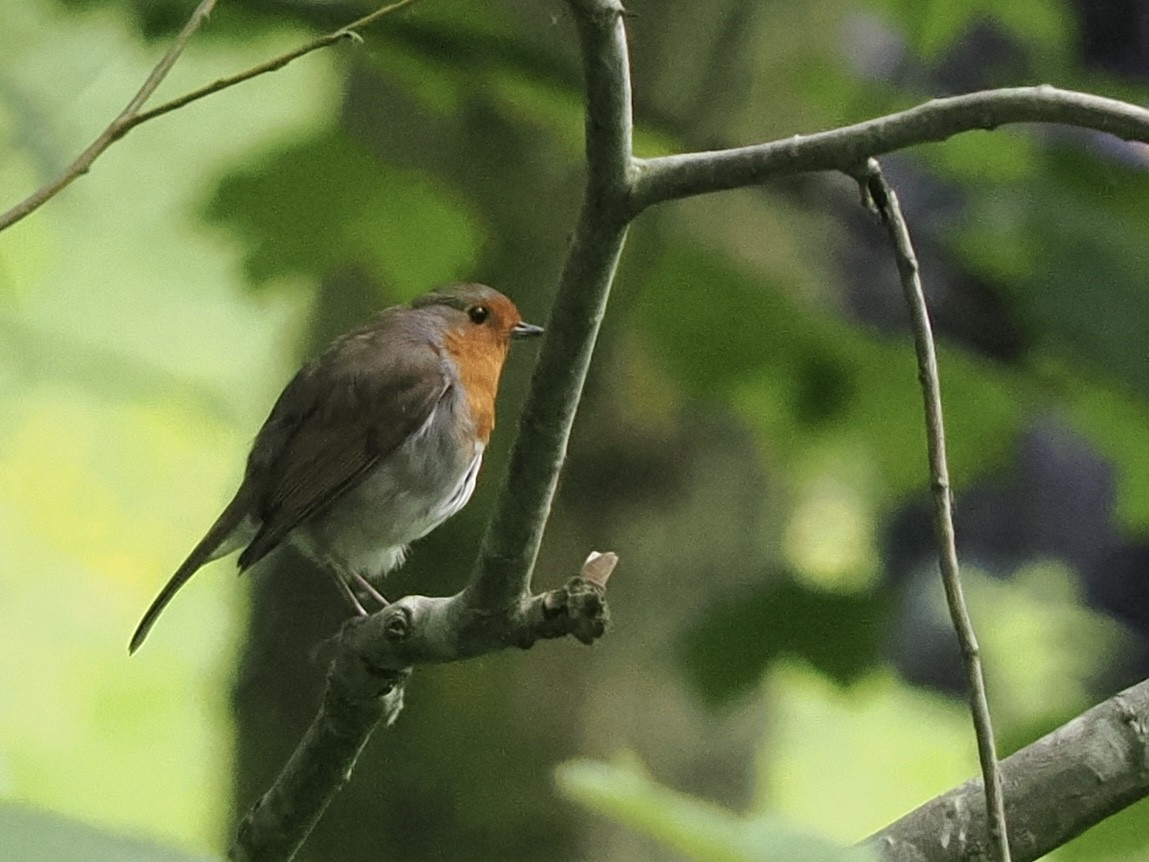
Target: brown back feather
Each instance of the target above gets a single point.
(357, 403)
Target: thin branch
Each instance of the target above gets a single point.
(886, 203)
(117, 128)
(273, 65)
(675, 177)
(1072, 779)
(132, 115)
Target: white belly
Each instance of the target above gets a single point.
(407, 495)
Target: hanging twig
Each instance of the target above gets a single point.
(885, 201)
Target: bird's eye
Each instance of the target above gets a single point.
(478, 313)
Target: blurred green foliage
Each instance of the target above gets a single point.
(344, 211)
(36, 836)
(785, 366)
(1045, 25)
(132, 371)
(840, 635)
(751, 427)
(624, 792)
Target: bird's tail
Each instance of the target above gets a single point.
(220, 540)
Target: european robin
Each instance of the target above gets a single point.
(371, 445)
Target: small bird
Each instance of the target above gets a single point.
(371, 445)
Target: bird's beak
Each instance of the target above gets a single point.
(523, 329)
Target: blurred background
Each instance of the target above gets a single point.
(750, 442)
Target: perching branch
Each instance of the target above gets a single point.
(879, 193)
(132, 115)
(365, 684)
(1072, 779)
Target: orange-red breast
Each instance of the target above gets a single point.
(371, 445)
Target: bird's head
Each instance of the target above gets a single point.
(478, 326)
(477, 315)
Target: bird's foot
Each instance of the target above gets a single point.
(370, 590)
(346, 591)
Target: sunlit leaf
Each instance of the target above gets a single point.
(848, 761)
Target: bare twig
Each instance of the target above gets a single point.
(132, 115)
(273, 65)
(1066, 782)
(886, 202)
(117, 128)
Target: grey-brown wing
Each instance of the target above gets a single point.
(333, 423)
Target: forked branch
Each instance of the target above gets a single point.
(843, 149)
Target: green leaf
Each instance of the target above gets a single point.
(327, 205)
(848, 761)
(728, 650)
(698, 829)
(31, 835)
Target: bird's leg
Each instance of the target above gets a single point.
(369, 588)
(345, 588)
